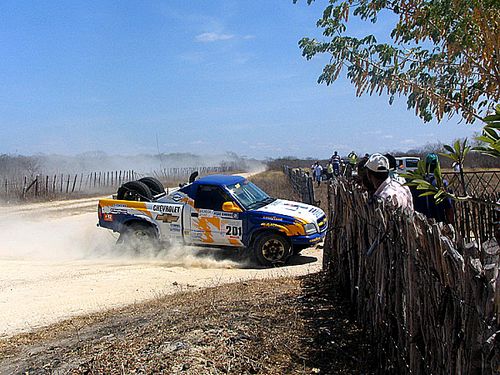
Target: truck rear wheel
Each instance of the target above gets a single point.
(272, 249)
(154, 185)
(138, 237)
(134, 191)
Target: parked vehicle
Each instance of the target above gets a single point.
(216, 211)
(407, 163)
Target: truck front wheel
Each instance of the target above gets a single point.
(271, 249)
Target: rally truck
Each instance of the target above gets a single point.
(217, 211)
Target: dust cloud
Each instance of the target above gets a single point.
(56, 263)
(15, 165)
(38, 237)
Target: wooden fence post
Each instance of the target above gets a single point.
(67, 184)
(74, 183)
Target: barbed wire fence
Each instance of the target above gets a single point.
(59, 185)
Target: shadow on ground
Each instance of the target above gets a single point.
(336, 344)
(244, 260)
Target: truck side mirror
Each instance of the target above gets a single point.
(230, 207)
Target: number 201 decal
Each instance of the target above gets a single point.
(233, 231)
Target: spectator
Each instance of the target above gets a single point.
(317, 172)
(444, 211)
(456, 167)
(393, 166)
(353, 158)
(329, 170)
(386, 188)
(362, 177)
(335, 160)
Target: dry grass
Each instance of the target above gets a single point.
(280, 326)
(276, 184)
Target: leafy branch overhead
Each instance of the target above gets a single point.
(442, 55)
(490, 135)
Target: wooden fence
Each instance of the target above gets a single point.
(301, 182)
(477, 183)
(57, 185)
(49, 186)
(474, 219)
(429, 300)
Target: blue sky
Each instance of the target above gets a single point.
(128, 77)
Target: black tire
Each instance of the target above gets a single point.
(135, 191)
(154, 185)
(137, 237)
(272, 249)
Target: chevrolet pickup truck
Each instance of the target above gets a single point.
(216, 211)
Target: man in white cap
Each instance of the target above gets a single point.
(386, 188)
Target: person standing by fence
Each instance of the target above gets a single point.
(329, 170)
(317, 171)
(386, 188)
(335, 160)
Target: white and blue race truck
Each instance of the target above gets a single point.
(216, 211)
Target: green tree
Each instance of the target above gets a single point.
(443, 55)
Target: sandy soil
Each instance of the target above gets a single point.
(55, 263)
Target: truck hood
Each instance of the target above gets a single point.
(297, 210)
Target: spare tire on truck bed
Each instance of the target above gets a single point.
(154, 185)
(134, 191)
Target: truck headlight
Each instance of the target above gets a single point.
(310, 228)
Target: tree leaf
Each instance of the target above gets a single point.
(448, 148)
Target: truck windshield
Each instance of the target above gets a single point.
(249, 195)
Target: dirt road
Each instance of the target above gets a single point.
(55, 263)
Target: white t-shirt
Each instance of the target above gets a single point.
(317, 170)
(396, 194)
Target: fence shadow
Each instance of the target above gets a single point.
(336, 343)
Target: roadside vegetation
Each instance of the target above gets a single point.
(276, 184)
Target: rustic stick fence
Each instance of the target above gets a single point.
(429, 300)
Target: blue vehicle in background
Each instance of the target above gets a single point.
(217, 211)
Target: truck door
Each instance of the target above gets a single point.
(211, 225)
